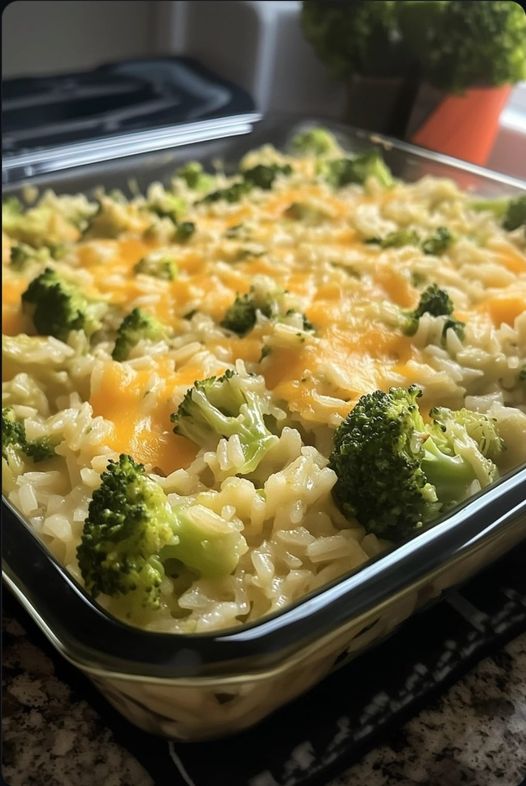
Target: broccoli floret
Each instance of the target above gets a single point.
(12, 214)
(57, 307)
(403, 237)
(137, 325)
(497, 206)
(184, 231)
(438, 242)
(395, 473)
(40, 449)
(263, 175)
(266, 299)
(356, 169)
(240, 317)
(11, 207)
(515, 215)
(305, 212)
(14, 439)
(157, 266)
(260, 176)
(195, 177)
(510, 212)
(317, 141)
(129, 522)
(456, 325)
(452, 45)
(131, 531)
(207, 543)
(232, 193)
(456, 45)
(354, 38)
(167, 205)
(223, 407)
(435, 244)
(13, 433)
(21, 255)
(40, 226)
(396, 239)
(434, 301)
(110, 217)
(481, 428)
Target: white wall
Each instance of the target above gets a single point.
(46, 36)
(257, 44)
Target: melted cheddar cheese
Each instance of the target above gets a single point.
(348, 289)
(119, 397)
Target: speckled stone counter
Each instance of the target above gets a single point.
(475, 735)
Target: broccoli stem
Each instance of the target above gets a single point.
(450, 475)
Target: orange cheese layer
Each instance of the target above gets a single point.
(510, 257)
(347, 357)
(359, 356)
(147, 437)
(504, 309)
(395, 286)
(13, 320)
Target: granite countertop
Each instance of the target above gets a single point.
(474, 735)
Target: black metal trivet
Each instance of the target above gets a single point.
(322, 733)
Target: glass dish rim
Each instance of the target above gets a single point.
(247, 125)
(459, 532)
(240, 633)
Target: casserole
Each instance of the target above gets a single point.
(211, 685)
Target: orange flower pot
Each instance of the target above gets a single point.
(465, 126)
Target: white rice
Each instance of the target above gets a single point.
(296, 538)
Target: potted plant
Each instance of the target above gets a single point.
(360, 43)
(436, 71)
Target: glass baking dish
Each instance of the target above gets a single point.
(206, 685)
